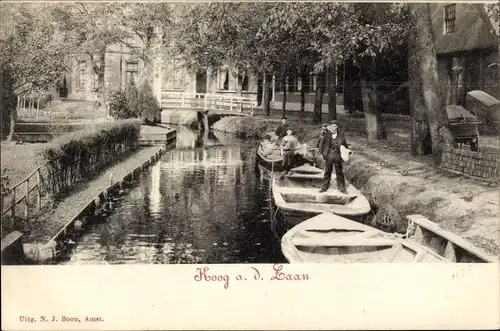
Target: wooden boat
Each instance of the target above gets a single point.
(297, 196)
(272, 161)
(269, 155)
(329, 238)
(453, 247)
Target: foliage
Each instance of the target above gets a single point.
(118, 104)
(4, 183)
(32, 50)
(357, 30)
(81, 155)
(493, 11)
(132, 96)
(148, 105)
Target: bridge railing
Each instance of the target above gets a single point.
(206, 101)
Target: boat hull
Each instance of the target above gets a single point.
(294, 212)
(329, 238)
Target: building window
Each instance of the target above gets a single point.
(173, 76)
(132, 72)
(243, 81)
(82, 71)
(223, 79)
(449, 18)
(95, 83)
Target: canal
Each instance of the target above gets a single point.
(203, 202)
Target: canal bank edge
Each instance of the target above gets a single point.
(397, 186)
(12, 248)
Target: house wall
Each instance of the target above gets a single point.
(472, 49)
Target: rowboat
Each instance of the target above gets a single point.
(270, 156)
(453, 247)
(271, 160)
(297, 196)
(329, 238)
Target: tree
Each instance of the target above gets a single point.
(332, 93)
(361, 32)
(89, 29)
(435, 107)
(149, 108)
(32, 54)
(132, 94)
(421, 142)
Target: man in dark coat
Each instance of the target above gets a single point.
(329, 149)
(281, 130)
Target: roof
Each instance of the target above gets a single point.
(483, 97)
(473, 26)
(456, 111)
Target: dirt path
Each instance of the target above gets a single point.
(459, 204)
(390, 177)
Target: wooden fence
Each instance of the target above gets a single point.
(16, 196)
(206, 101)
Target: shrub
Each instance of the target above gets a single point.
(132, 95)
(148, 105)
(118, 105)
(4, 183)
(82, 154)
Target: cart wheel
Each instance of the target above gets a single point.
(474, 144)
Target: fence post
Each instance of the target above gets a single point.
(13, 204)
(182, 100)
(38, 190)
(27, 199)
(37, 107)
(231, 104)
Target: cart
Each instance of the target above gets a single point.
(464, 125)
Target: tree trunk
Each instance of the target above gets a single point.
(332, 94)
(100, 76)
(304, 78)
(421, 143)
(435, 106)
(283, 105)
(349, 104)
(12, 127)
(267, 94)
(374, 128)
(7, 102)
(318, 98)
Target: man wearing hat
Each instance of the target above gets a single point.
(329, 149)
(289, 145)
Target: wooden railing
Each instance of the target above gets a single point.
(206, 101)
(24, 196)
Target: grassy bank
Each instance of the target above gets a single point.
(396, 183)
(67, 164)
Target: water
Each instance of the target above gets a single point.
(201, 203)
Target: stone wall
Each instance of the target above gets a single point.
(475, 164)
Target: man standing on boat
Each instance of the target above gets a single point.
(281, 130)
(288, 144)
(329, 149)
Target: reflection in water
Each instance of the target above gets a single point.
(203, 205)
